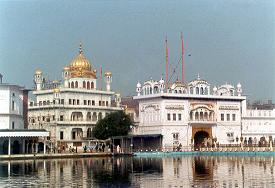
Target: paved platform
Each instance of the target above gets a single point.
(204, 153)
(53, 155)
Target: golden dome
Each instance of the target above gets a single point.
(38, 71)
(81, 62)
(80, 66)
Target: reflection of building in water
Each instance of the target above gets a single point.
(202, 168)
(207, 171)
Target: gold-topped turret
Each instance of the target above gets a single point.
(80, 66)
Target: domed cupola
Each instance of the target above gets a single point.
(81, 67)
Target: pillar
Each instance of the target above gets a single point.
(27, 147)
(36, 148)
(23, 146)
(44, 149)
(9, 147)
(9, 168)
(32, 148)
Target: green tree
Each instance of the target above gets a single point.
(114, 124)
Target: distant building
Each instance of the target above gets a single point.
(189, 114)
(193, 115)
(15, 137)
(130, 107)
(70, 108)
(259, 121)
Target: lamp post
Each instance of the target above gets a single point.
(131, 145)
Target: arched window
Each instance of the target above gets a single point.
(89, 116)
(155, 89)
(231, 92)
(201, 116)
(197, 90)
(76, 116)
(89, 133)
(191, 116)
(72, 85)
(88, 85)
(205, 116)
(197, 116)
(202, 91)
(150, 90)
(69, 85)
(92, 85)
(99, 116)
(76, 84)
(94, 117)
(206, 91)
(191, 90)
(84, 84)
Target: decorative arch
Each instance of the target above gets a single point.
(197, 90)
(89, 133)
(76, 116)
(201, 91)
(88, 85)
(99, 115)
(89, 116)
(92, 85)
(94, 117)
(72, 85)
(84, 84)
(76, 84)
(205, 91)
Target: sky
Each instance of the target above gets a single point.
(225, 41)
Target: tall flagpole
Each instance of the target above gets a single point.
(166, 52)
(182, 59)
(100, 77)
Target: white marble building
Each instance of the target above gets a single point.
(259, 123)
(186, 114)
(15, 138)
(11, 110)
(69, 108)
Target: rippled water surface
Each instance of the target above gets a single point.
(186, 171)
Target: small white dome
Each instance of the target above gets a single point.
(161, 81)
(215, 88)
(239, 85)
(138, 84)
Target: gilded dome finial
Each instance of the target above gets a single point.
(80, 48)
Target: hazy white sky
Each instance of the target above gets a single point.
(229, 41)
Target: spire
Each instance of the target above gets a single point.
(166, 55)
(199, 76)
(182, 58)
(80, 48)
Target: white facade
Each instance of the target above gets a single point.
(11, 106)
(70, 108)
(259, 123)
(188, 114)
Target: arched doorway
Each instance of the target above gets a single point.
(16, 147)
(5, 147)
(40, 147)
(199, 138)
